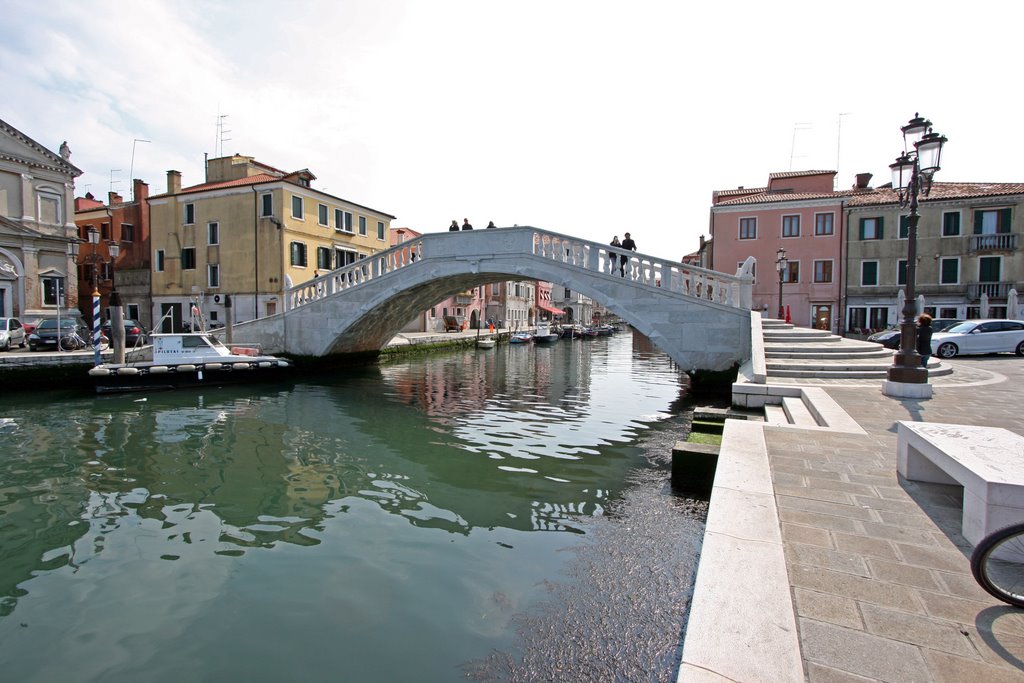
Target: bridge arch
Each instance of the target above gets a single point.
(700, 318)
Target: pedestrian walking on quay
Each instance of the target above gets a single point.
(466, 225)
(924, 338)
(629, 244)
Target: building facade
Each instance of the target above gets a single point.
(233, 244)
(37, 270)
(127, 223)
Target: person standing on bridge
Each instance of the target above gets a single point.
(612, 255)
(466, 225)
(454, 227)
(629, 244)
(491, 225)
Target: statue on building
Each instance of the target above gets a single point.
(65, 151)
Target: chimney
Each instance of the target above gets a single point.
(702, 242)
(114, 198)
(862, 181)
(173, 182)
(140, 190)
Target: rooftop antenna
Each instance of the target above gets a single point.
(839, 139)
(131, 168)
(792, 147)
(221, 132)
(112, 181)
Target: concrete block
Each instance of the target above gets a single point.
(693, 466)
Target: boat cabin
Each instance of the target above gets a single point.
(196, 347)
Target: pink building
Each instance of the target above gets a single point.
(800, 213)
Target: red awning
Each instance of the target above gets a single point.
(554, 311)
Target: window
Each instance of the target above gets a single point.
(748, 228)
(950, 223)
(992, 222)
(989, 268)
(323, 258)
(127, 232)
(188, 258)
(53, 291)
(879, 317)
(791, 226)
(213, 275)
(380, 230)
(158, 261)
(362, 226)
(298, 254)
(133, 311)
(871, 228)
(342, 221)
(343, 257)
(213, 233)
(949, 271)
(869, 273)
(297, 209)
(901, 271)
(49, 209)
(824, 224)
(792, 273)
(904, 227)
(857, 318)
(266, 205)
(321, 214)
(823, 271)
(104, 231)
(190, 214)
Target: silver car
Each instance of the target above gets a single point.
(11, 333)
(980, 336)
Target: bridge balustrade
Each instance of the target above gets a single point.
(649, 271)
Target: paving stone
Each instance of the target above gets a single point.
(859, 588)
(961, 585)
(794, 533)
(815, 494)
(830, 522)
(904, 574)
(817, 673)
(825, 507)
(899, 534)
(998, 649)
(874, 547)
(826, 558)
(946, 668)
(916, 630)
(966, 611)
(829, 608)
(862, 653)
(844, 486)
(943, 557)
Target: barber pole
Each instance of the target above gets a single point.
(96, 326)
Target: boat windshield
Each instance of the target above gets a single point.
(215, 343)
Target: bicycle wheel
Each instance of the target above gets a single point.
(67, 343)
(998, 564)
(104, 343)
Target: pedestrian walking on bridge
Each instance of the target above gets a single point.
(629, 244)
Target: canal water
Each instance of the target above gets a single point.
(426, 519)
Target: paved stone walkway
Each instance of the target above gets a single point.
(880, 574)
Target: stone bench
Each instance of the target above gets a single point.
(987, 461)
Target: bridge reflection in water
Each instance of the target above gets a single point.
(205, 535)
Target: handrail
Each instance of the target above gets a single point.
(639, 269)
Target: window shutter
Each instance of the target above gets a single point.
(977, 222)
(1005, 216)
(881, 222)
(862, 221)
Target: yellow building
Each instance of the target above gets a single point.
(249, 232)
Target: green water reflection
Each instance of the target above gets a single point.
(381, 525)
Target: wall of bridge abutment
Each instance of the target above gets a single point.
(365, 311)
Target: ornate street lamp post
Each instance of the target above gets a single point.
(781, 265)
(912, 177)
(94, 258)
(116, 310)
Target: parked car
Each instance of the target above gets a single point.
(11, 332)
(30, 325)
(890, 338)
(980, 336)
(46, 335)
(943, 324)
(135, 333)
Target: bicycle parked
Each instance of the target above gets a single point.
(72, 341)
(998, 564)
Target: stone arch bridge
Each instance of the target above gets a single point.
(699, 317)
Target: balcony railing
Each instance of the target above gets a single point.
(1000, 242)
(994, 290)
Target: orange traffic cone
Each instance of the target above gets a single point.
(788, 319)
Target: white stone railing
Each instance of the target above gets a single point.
(641, 269)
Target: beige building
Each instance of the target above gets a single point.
(37, 273)
(246, 234)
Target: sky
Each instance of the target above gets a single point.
(588, 118)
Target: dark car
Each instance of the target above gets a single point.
(135, 333)
(890, 338)
(45, 336)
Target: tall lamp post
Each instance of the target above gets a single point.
(912, 177)
(94, 258)
(781, 265)
(116, 310)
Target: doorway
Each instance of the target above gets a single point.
(823, 317)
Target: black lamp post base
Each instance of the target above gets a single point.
(906, 367)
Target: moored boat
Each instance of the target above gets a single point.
(520, 338)
(485, 343)
(188, 359)
(544, 335)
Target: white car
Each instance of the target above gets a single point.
(980, 336)
(11, 332)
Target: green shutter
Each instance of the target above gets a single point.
(977, 221)
(862, 221)
(881, 222)
(1005, 216)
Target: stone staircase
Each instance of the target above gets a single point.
(795, 352)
